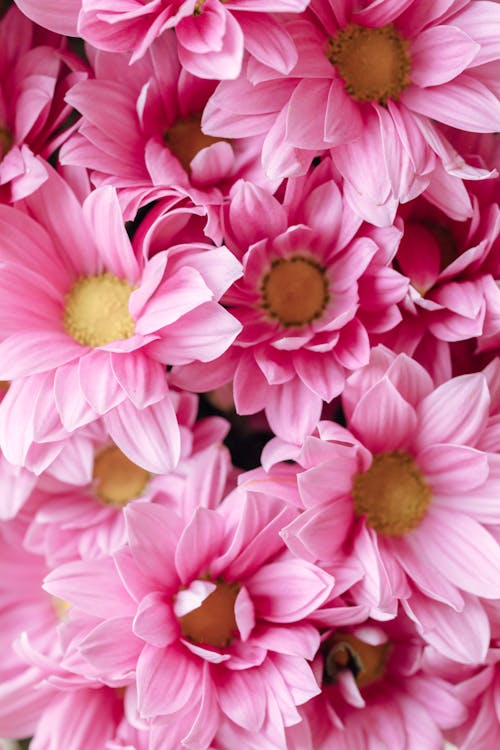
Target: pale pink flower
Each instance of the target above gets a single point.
(36, 70)
(87, 521)
(140, 131)
(315, 285)
(212, 36)
(89, 326)
(377, 80)
(409, 491)
(210, 616)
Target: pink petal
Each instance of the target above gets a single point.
(29, 353)
(293, 410)
(166, 680)
(149, 437)
(153, 534)
(200, 541)
(112, 648)
(242, 697)
(383, 419)
(453, 469)
(289, 591)
(439, 54)
(154, 621)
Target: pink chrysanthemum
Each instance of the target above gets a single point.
(36, 70)
(150, 139)
(376, 77)
(409, 493)
(89, 327)
(315, 284)
(453, 267)
(212, 36)
(71, 522)
(210, 617)
(376, 692)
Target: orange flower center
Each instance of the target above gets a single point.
(96, 310)
(6, 140)
(117, 479)
(366, 662)
(214, 622)
(185, 139)
(392, 494)
(295, 291)
(374, 63)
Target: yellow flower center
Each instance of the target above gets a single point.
(61, 608)
(392, 494)
(117, 479)
(374, 63)
(96, 310)
(295, 291)
(185, 139)
(214, 622)
(366, 662)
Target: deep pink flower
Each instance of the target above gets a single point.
(89, 327)
(212, 36)
(211, 617)
(315, 285)
(376, 78)
(140, 131)
(408, 492)
(453, 267)
(36, 70)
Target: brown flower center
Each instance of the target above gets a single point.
(295, 291)
(214, 622)
(374, 63)
(185, 139)
(392, 494)
(96, 310)
(117, 479)
(6, 140)
(366, 662)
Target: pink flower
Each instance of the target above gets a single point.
(453, 267)
(211, 617)
(376, 692)
(407, 491)
(315, 284)
(376, 78)
(87, 521)
(101, 323)
(36, 70)
(150, 139)
(212, 37)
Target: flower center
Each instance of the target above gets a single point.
(392, 494)
(185, 139)
(295, 291)
(61, 608)
(117, 479)
(366, 662)
(96, 310)
(214, 622)
(6, 139)
(374, 63)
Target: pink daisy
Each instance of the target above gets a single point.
(376, 692)
(409, 493)
(150, 139)
(315, 284)
(36, 70)
(453, 268)
(212, 37)
(101, 323)
(376, 79)
(211, 617)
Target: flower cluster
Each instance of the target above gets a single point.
(250, 374)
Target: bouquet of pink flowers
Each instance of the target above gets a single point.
(250, 374)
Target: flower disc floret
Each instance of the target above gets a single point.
(185, 139)
(295, 291)
(373, 62)
(367, 662)
(117, 479)
(96, 310)
(392, 494)
(214, 622)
